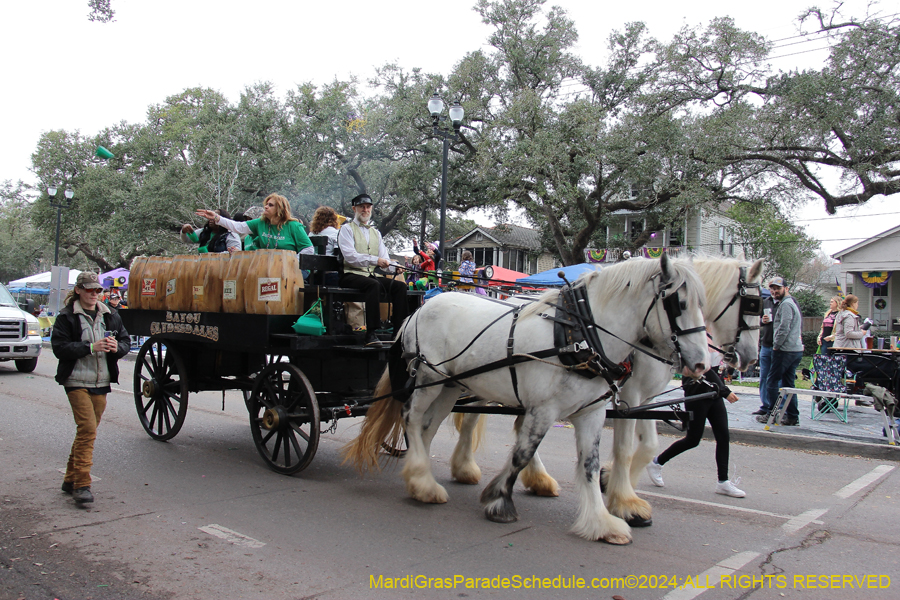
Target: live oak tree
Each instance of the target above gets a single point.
(660, 128)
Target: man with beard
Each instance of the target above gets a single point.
(364, 250)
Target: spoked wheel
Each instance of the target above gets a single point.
(398, 450)
(160, 389)
(284, 418)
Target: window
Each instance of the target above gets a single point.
(722, 240)
(635, 228)
(676, 237)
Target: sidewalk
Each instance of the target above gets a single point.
(861, 436)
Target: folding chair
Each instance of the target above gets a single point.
(830, 390)
(829, 375)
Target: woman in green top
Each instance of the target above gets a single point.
(275, 230)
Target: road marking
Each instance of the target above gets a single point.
(867, 479)
(238, 539)
(115, 389)
(804, 519)
(764, 513)
(712, 576)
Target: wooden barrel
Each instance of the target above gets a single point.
(180, 285)
(273, 284)
(207, 290)
(153, 282)
(134, 281)
(233, 282)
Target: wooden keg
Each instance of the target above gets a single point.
(134, 281)
(153, 282)
(180, 285)
(233, 281)
(273, 284)
(207, 290)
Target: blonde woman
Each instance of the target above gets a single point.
(825, 339)
(277, 229)
(848, 333)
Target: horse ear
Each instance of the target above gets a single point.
(756, 270)
(665, 266)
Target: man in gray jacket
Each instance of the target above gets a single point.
(787, 350)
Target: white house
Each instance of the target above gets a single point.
(867, 270)
(704, 231)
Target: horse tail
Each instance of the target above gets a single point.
(478, 433)
(383, 426)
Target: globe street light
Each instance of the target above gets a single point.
(436, 107)
(69, 194)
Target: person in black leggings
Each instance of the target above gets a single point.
(702, 410)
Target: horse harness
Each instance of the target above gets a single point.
(577, 340)
(747, 306)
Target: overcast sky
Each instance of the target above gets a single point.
(63, 72)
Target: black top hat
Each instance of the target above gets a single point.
(361, 199)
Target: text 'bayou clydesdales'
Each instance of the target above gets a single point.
(185, 322)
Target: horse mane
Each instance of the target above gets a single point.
(718, 273)
(615, 280)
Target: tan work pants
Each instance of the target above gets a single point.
(87, 410)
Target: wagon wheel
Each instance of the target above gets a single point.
(284, 418)
(398, 451)
(160, 389)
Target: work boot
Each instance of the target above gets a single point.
(68, 487)
(82, 495)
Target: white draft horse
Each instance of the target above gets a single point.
(732, 328)
(455, 334)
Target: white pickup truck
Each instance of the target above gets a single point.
(20, 334)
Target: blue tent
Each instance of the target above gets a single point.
(29, 290)
(550, 278)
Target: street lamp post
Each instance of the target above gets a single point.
(69, 194)
(436, 107)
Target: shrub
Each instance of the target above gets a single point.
(809, 342)
(811, 303)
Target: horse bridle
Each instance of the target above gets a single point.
(748, 306)
(673, 308)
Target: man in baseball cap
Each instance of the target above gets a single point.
(787, 350)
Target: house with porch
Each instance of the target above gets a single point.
(701, 230)
(506, 245)
(866, 270)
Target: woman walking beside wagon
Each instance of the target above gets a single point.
(88, 339)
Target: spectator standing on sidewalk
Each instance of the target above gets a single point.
(787, 350)
(765, 354)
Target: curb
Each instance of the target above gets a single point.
(774, 439)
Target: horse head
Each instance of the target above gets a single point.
(657, 300)
(682, 298)
(733, 307)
